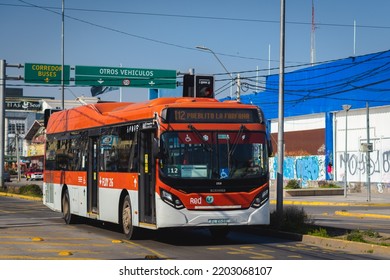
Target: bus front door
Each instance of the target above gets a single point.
(92, 177)
(147, 178)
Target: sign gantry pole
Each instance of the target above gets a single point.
(2, 120)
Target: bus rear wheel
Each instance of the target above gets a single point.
(126, 219)
(67, 215)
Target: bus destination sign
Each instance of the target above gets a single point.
(214, 115)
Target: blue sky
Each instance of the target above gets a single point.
(164, 35)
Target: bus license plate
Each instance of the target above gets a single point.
(219, 221)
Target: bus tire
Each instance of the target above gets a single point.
(126, 218)
(67, 215)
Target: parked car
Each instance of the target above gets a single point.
(36, 174)
(7, 176)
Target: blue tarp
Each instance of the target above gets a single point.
(326, 87)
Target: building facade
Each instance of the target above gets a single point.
(24, 135)
(315, 122)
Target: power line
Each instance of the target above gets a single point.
(28, 5)
(52, 10)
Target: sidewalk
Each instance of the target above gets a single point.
(377, 205)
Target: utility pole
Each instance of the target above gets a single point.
(279, 179)
(238, 88)
(63, 55)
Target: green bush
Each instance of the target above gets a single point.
(321, 232)
(293, 184)
(357, 236)
(293, 219)
(32, 189)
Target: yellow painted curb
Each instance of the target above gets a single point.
(368, 215)
(21, 196)
(330, 203)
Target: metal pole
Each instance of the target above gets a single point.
(279, 182)
(368, 155)
(346, 109)
(120, 88)
(17, 153)
(63, 56)
(354, 37)
(238, 88)
(2, 120)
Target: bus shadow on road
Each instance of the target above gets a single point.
(198, 236)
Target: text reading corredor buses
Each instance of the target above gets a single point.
(47, 70)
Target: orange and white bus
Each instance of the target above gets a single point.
(164, 163)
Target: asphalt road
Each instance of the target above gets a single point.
(29, 230)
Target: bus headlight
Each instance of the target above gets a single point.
(171, 199)
(260, 199)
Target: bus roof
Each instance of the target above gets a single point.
(102, 114)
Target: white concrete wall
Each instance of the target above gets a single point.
(299, 123)
(379, 123)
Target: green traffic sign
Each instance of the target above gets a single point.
(37, 73)
(125, 77)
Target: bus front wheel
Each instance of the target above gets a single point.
(127, 222)
(68, 217)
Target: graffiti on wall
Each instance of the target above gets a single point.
(303, 168)
(357, 168)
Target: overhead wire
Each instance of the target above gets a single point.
(250, 84)
(28, 5)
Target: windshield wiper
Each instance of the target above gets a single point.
(235, 142)
(204, 142)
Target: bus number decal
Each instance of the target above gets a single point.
(106, 182)
(173, 170)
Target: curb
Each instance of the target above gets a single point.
(350, 246)
(362, 215)
(327, 242)
(329, 203)
(21, 196)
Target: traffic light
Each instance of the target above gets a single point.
(198, 86)
(204, 86)
(188, 85)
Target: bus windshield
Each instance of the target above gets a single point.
(213, 155)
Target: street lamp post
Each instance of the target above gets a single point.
(223, 66)
(346, 108)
